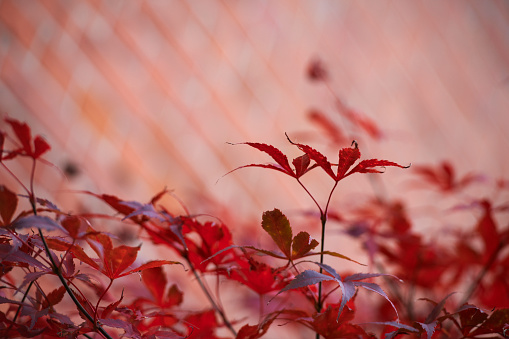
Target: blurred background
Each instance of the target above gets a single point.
(138, 96)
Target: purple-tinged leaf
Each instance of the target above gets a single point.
(146, 210)
(306, 278)
(399, 327)
(330, 270)
(429, 328)
(436, 310)
(130, 330)
(37, 221)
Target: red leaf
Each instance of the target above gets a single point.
(105, 314)
(155, 280)
(301, 165)
(302, 244)
(332, 130)
(8, 204)
(276, 154)
(2, 141)
(23, 134)
(259, 277)
(203, 325)
(319, 158)
(41, 147)
(488, 230)
(368, 166)
(150, 264)
(257, 331)
(53, 298)
(76, 226)
(347, 157)
(119, 259)
(278, 226)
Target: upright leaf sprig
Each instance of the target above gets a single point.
(347, 157)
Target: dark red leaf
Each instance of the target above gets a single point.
(23, 134)
(471, 317)
(53, 298)
(487, 228)
(495, 323)
(301, 165)
(8, 204)
(278, 226)
(130, 331)
(302, 244)
(106, 313)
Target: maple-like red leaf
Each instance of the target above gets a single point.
(258, 276)
(24, 136)
(282, 164)
(443, 177)
(319, 158)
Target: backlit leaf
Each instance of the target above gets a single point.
(278, 226)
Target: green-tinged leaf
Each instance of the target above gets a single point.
(278, 226)
(301, 245)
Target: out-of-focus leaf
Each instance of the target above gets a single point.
(37, 221)
(8, 204)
